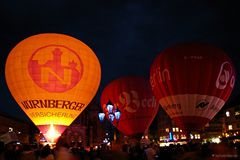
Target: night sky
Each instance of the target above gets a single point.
(126, 36)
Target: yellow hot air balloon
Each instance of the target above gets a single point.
(53, 77)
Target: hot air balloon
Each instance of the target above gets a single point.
(52, 77)
(131, 95)
(192, 82)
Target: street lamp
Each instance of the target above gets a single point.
(112, 113)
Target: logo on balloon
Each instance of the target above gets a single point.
(224, 76)
(131, 101)
(55, 68)
(202, 104)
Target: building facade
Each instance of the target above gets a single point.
(231, 124)
(22, 129)
(169, 131)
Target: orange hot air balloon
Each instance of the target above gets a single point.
(52, 77)
(133, 96)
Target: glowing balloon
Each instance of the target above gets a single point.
(52, 77)
(135, 100)
(192, 82)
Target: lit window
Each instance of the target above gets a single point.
(237, 113)
(162, 138)
(195, 136)
(230, 127)
(177, 129)
(199, 136)
(173, 129)
(227, 113)
(183, 136)
(226, 134)
(167, 129)
(10, 129)
(191, 136)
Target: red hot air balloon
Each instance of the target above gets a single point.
(135, 100)
(192, 82)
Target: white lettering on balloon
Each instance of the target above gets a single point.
(160, 76)
(131, 101)
(225, 75)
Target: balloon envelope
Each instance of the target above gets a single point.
(52, 77)
(135, 100)
(192, 81)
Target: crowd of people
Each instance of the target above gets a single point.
(136, 151)
(191, 151)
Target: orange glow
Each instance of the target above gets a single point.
(52, 134)
(53, 77)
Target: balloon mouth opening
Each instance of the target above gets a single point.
(52, 132)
